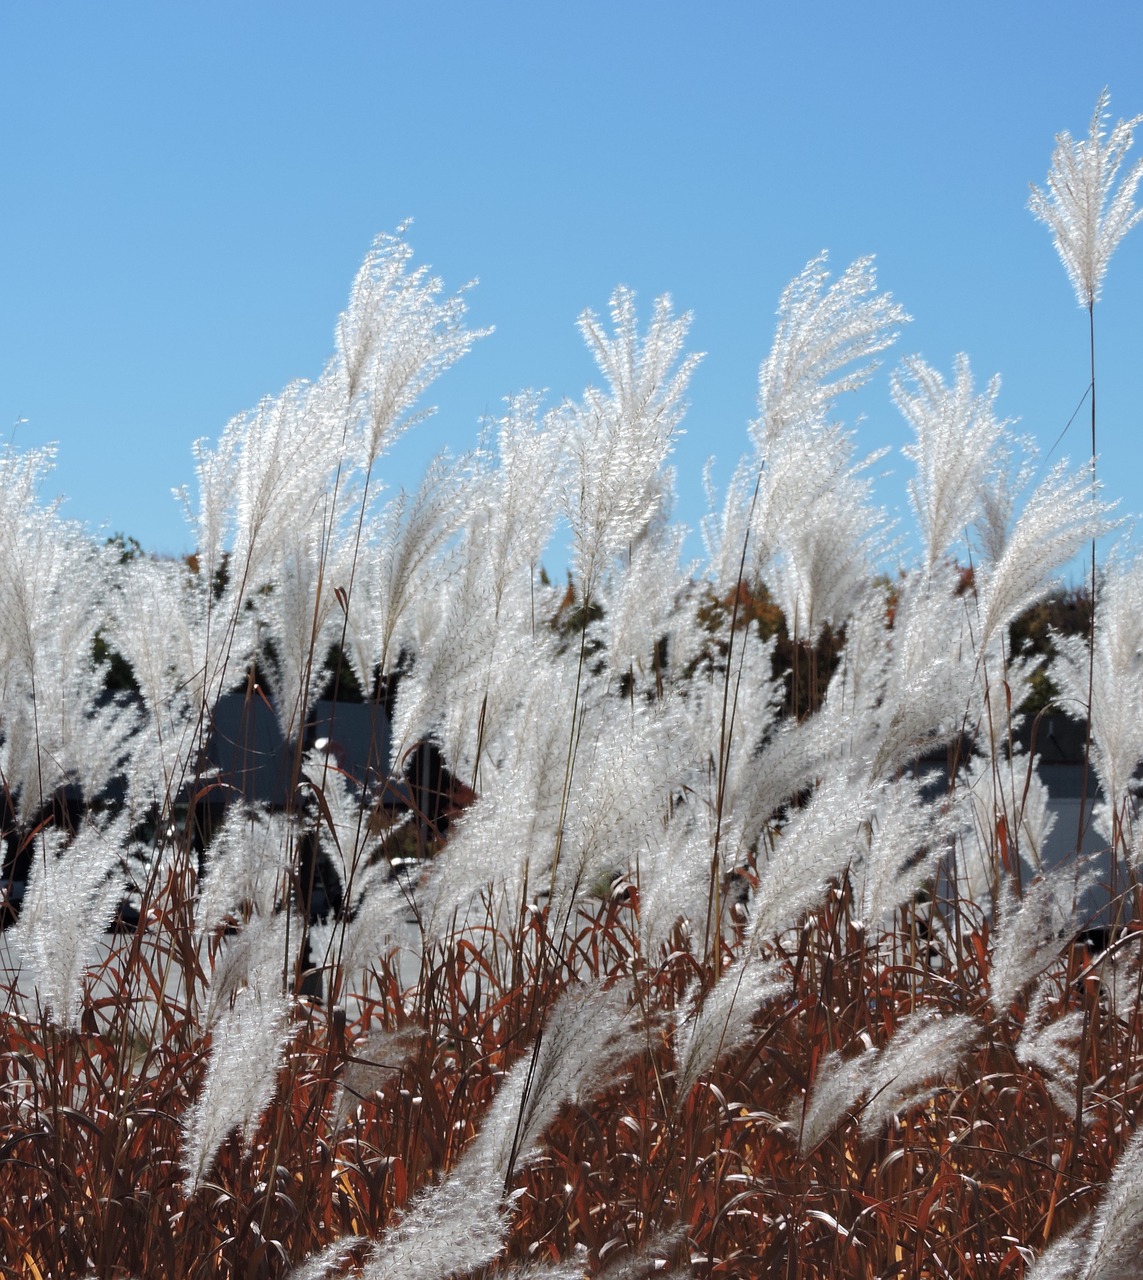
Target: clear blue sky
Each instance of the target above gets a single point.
(188, 190)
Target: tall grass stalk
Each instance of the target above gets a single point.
(1088, 217)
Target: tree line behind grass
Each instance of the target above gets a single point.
(1064, 610)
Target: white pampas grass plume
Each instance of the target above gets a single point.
(956, 438)
(896, 1077)
(652, 1260)
(587, 1037)
(241, 1076)
(1026, 940)
(396, 337)
(619, 440)
(460, 1225)
(1085, 214)
(405, 545)
(999, 803)
(245, 867)
(1118, 1234)
(1064, 1258)
(617, 802)
(838, 1087)
(821, 331)
(71, 898)
(818, 843)
(1052, 1047)
(1058, 520)
(721, 1021)
(674, 877)
(907, 1071)
(1116, 690)
(905, 841)
(332, 1259)
(260, 946)
(448, 1230)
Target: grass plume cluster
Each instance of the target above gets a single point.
(741, 957)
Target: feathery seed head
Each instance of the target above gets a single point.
(1086, 216)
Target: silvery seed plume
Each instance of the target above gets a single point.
(928, 678)
(466, 679)
(404, 544)
(283, 459)
(297, 618)
(674, 877)
(1065, 1257)
(471, 674)
(260, 946)
(73, 891)
(343, 830)
(64, 738)
(507, 835)
(790, 484)
(587, 1037)
(1003, 682)
(211, 519)
(1050, 1045)
(620, 789)
(956, 437)
(723, 755)
(790, 761)
(726, 527)
(652, 1259)
(448, 1230)
(332, 1260)
(1117, 1235)
(547, 1271)
(1028, 937)
(1116, 690)
(713, 1026)
(825, 532)
(185, 649)
(905, 840)
(248, 1042)
(818, 843)
(520, 493)
(1082, 208)
(395, 338)
(1121, 981)
(29, 562)
(619, 439)
(864, 675)
(839, 1085)
(997, 801)
(377, 928)
(895, 1077)
(907, 1071)
(1011, 473)
(460, 1224)
(823, 331)
(153, 623)
(637, 607)
(54, 588)
(1058, 520)
(244, 863)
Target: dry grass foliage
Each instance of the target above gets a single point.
(372, 1109)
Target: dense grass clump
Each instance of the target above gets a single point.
(736, 941)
